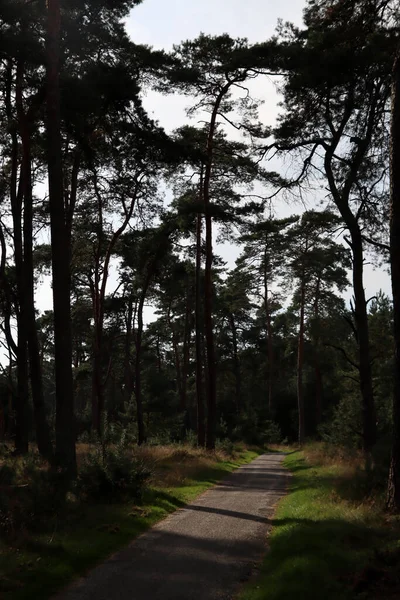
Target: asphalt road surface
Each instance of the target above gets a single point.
(203, 551)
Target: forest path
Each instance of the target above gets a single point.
(201, 552)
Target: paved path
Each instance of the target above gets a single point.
(201, 552)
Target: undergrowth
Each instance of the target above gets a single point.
(331, 538)
(38, 557)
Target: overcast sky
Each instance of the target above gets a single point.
(162, 23)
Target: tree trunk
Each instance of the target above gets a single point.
(270, 353)
(11, 345)
(61, 254)
(21, 400)
(186, 356)
(97, 389)
(98, 297)
(393, 495)
(361, 320)
(158, 352)
(236, 365)
(201, 434)
(138, 370)
(211, 380)
(43, 436)
(177, 359)
(317, 370)
(300, 361)
(128, 387)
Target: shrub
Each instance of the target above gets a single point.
(30, 494)
(110, 474)
(226, 446)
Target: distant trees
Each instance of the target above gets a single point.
(261, 351)
(335, 114)
(264, 259)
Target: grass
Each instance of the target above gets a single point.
(326, 543)
(40, 565)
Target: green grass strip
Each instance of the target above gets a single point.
(45, 563)
(319, 541)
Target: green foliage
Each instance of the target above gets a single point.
(68, 548)
(344, 427)
(258, 431)
(322, 540)
(30, 493)
(109, 474)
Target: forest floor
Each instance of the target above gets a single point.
(331, 538)
(42, 560)
(202, 552)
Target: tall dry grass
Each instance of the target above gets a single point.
(172, 465)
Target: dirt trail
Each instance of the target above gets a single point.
(201, 552)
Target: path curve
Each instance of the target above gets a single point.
(201, 552)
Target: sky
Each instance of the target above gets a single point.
(162, 23)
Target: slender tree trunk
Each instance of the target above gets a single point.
(393, 494)
(186, 356)
(177, 358)
(61, 254)
(209, 330)
(201, 434)
(300, 361)
(98, 298)
(158, 351)
(128, 387)
(317, 369)
(43, 436)
(236, 365)
(21, 399)
(97, 387)
(361, 320)
(138, 370)
(270, 352)
(211, 383)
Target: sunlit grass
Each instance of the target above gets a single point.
(321, 539)
(42, 564)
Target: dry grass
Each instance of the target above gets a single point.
(172, 465)
(327, 456)
(175, 465)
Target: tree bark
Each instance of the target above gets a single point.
(270, 352)
(236, 365)
(361, 320)
(61, 253)
(128, 383)
(138, 370)
(317, 369)
(208, 291)
(393, 493)
(177, 358)
(300, 361)
(21, 400)
(201, 433)
(186, 355)
(342, 200)
(98, 297)
(43, 436)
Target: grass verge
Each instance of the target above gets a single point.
(326, 543)
(43, 563)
